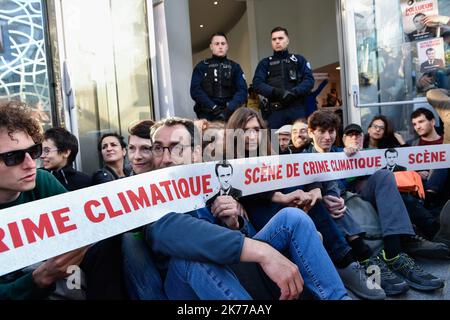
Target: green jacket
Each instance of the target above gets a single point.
(23, 287)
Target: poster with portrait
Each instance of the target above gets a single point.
(430, 55)
(413, 11)
(2, 45)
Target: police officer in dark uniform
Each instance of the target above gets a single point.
(284, 79)
(218, 84)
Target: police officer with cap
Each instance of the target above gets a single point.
(218, 84)
(284, 79)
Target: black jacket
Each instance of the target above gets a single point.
(235, 193)
(396, 168)
(72, 179)
(107, 174)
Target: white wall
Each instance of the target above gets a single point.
(239, 43)
(175, 58)
(311, 25)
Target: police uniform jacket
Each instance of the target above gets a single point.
(218, 81)
(285, 71)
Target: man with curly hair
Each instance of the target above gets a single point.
(20, 146)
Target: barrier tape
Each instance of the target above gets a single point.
(42, 229)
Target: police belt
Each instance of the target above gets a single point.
(276, 106)
(198, 108)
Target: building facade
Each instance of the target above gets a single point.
(98, 66)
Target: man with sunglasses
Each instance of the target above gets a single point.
(21, 182)
(20, 146)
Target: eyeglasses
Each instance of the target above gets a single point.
(16, 157)
(176, 149)
(47, 150)
(376, 127)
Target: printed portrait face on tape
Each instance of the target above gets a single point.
(391, 157)
(224, 173)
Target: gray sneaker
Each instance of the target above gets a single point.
(355, 279)
(390, 282)
(404, 266)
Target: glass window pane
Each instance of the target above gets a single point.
(389, 63)
(23, 62)
(106, 43)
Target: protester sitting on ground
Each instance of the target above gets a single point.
(381, 191)
(199, 265)
(20, 146)
(135, 252)
(332, 199)
(213, 141)
(202, 125)
(425, 221)
(59, 150)
(436, 182)
(140, 146)
(299, 135)
(241, 130)
(284, 139)
(112, 148)
(380, 134)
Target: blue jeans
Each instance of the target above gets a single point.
(142, 278)
(190, 280)
(292, 233)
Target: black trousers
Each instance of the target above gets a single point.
(103, 269)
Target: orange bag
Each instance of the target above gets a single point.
(410, 181)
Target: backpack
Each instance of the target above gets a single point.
(410, 181)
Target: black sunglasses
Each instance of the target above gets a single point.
(16, 157)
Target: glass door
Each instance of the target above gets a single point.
(383, 74)
(105, 50)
